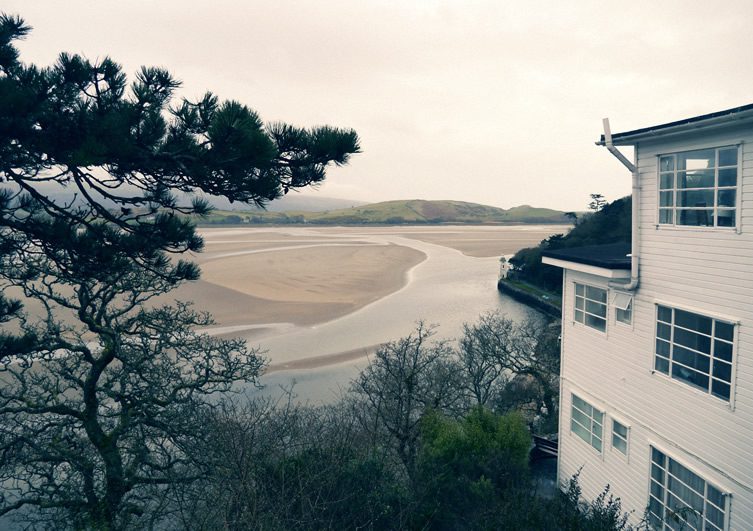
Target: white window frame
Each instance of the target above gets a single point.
(625, 425)
(711, 355)
(622, 301)
(664, 485)
(585, 300)
(738, 190)
(592, 421)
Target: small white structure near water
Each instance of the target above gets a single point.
(657, 346)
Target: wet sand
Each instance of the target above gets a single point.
(262, 280)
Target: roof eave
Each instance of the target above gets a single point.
(724, 119)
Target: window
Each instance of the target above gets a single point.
(623, 307)
(695, 349)
(586, 422)
(680, 499)
(698, 187)
(620, 437)
(591, 306)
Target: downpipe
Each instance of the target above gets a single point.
(635, 201)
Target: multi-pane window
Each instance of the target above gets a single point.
(680, 499)
(620, 436)
(695, 349)
(586, 422)
(591, 306)
(623, 307)
(698, 187)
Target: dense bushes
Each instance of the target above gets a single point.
(611, 224)
(409, 446)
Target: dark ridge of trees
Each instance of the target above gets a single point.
(609, 223)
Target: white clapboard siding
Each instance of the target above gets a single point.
(708, 271)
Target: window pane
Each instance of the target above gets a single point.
(728, 156)
(596, 308)
(580, 431)
(696, 160)
(722, 370)
(664, 314)
(664, 331)
(581, 404)
(579, 316)
(661, 365)
(624, 316)
(619, 444)
(667, 163)
(728, 177)
(581, 417)
(580, 289)
(715, 496)
(596, 443)
(662, 348)
(724, 330)
(726, 198)
(657, 457)
(696, 198)
(596, 294)
(596, 322)
(696, 218)
(693, 340)
(720, 389)
(666, 181)
(690, 376)
(666, 199)
(619, 429)
(695, 179)
(723, 350)
(693, 321)
(691, 359)
(687, 477)
(715, 516)
(666, 216)
(725, 218)
(579, 303)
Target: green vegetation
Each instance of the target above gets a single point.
(609, 224)
(408, 446)
(401, 212)
(115, 413)
(103, 392)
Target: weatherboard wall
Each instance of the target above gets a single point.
(707, 271)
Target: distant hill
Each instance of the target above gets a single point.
(415, 211)
(309, 202)
(293, 202)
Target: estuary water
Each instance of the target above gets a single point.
(447, 289)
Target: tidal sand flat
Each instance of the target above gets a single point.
(253, 277)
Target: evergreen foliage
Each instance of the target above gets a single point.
(104, 390)
(610, 224)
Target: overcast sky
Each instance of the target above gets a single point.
(485, 101)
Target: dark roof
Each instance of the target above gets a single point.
(687, 121)
(610, 256)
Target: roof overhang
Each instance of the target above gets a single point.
(713, 120)
(585, 268)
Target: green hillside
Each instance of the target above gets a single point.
(399, 212)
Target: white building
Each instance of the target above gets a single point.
(657, 346)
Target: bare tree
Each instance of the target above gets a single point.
(283, 465)
(497, 353)
(405, 379)
(102, 411)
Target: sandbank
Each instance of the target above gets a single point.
(301, 286)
